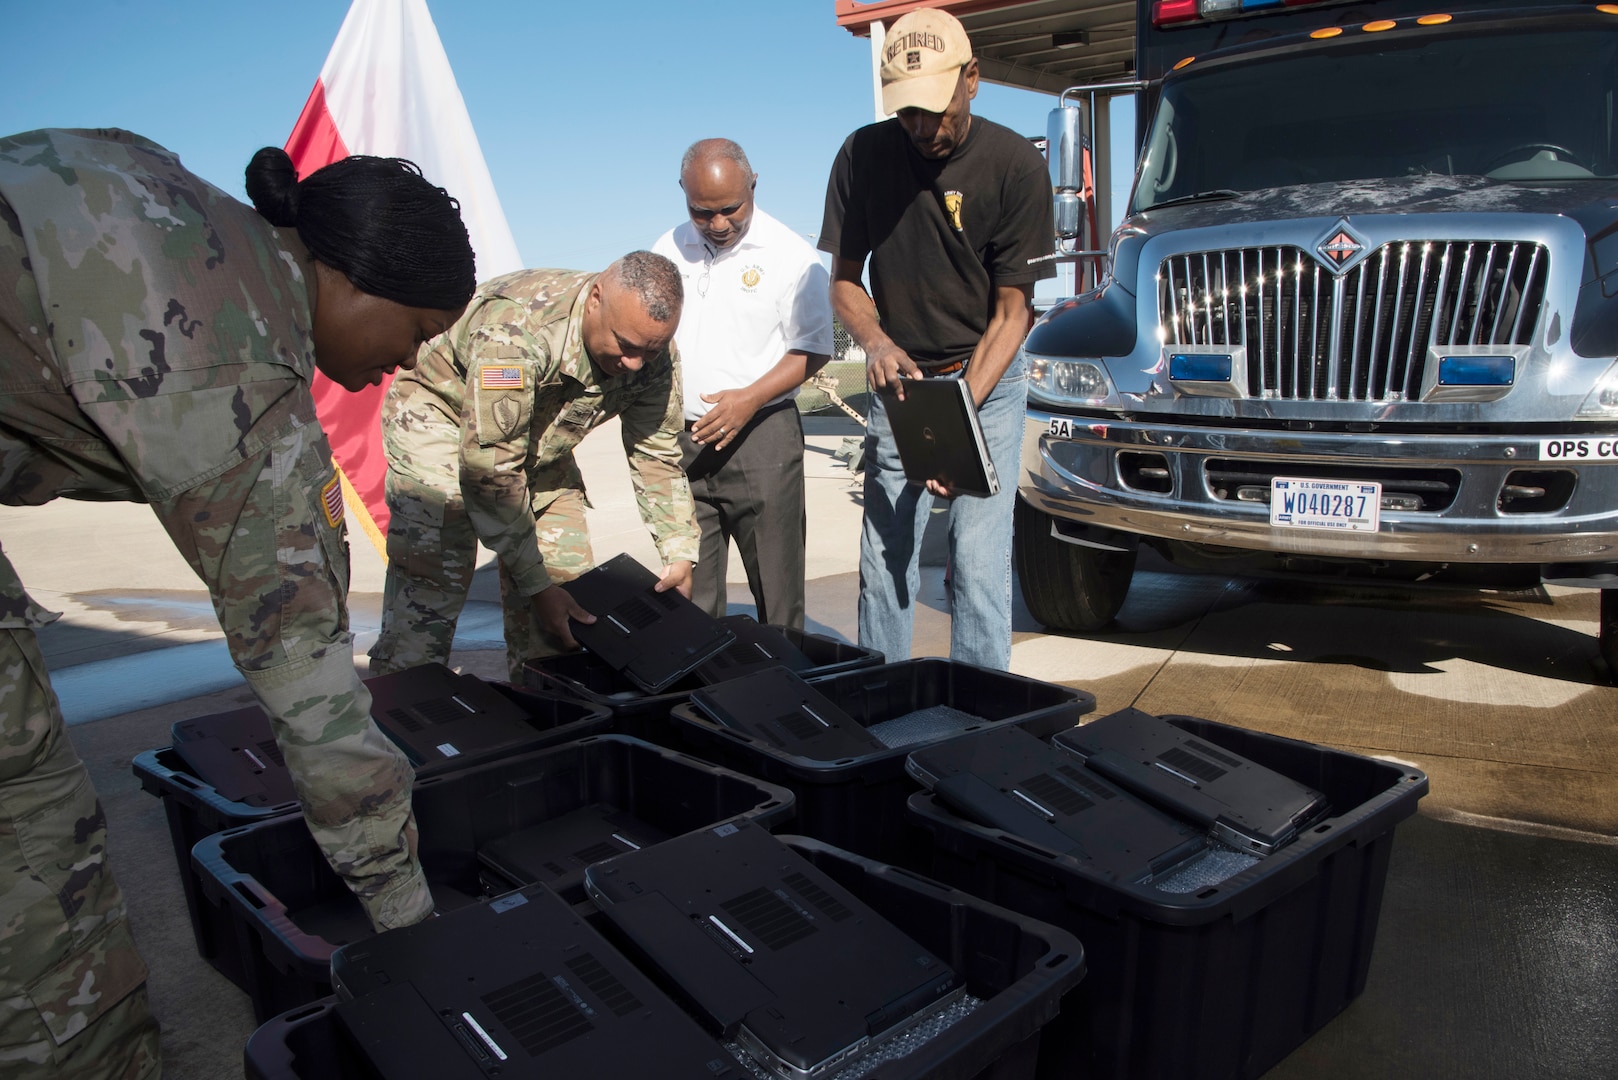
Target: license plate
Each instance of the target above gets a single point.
(1347, 505)
(1061, 428)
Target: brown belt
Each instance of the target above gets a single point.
(947, 369)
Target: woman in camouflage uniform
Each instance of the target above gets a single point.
(157, 340)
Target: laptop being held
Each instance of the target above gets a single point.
(652, 638)
(939, 437)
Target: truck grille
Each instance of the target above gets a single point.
(1313, 336)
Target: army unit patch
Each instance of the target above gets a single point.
(331, 500)
(500, 378)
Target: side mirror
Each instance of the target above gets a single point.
(1068, 155)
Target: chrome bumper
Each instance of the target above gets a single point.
(1078, 479)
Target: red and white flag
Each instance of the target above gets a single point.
(387, 89)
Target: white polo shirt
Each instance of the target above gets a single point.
(746, 306)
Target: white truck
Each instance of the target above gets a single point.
(1361, 314)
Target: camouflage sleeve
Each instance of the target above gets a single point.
(651, 427)
(266, 536)
(503, 367)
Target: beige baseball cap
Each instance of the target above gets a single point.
(922, 57)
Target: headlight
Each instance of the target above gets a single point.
(1602, 404)
(1070, 382)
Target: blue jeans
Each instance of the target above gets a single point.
(896, 514)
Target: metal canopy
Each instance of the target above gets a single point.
(1045, 45)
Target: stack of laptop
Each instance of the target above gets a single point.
(236, 754)
(1007, 779)
(756, 647)
(436, 716)
(520, 988)
(741, 959)
(776, 706)
(1130, 796)
(651, 638)
(556, 852)
(1239, 802)
(771, 953)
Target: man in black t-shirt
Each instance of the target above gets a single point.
(950, 208)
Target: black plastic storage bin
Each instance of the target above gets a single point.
(1020, 967)
(288, 909)
(1221, 983)
(858, 803)
(196, 809)
(646, 716)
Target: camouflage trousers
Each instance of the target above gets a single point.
(72, 985)
(432, 551)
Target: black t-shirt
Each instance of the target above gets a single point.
(941, 234)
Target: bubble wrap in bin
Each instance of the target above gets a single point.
(897, 1047)
(923, 725)
(1219, 863)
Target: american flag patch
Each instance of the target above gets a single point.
(500, 378)
(331, 499)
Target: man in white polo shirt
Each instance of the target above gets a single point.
(756, 324)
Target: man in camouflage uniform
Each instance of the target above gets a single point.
(480, 440)
(155, 347)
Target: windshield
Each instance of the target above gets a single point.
(1510, 106)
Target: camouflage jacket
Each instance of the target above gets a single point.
(155, 347)
(514, 374)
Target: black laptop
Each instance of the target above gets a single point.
(436, 715)
(652, 638)
(776, 706)
(236, 754)
(1007, 779)
(556, 852)
(519, 988)
(769, 950)
(938, 436)
(756, 646)
(1244, 804)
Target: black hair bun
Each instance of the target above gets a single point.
(272, 184)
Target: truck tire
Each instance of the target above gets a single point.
(1607, 632)
(1068, 586)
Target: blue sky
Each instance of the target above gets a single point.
(582, 108)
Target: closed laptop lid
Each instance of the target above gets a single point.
(236, 754)
(518, 988)
(756, 646)
(939, 437)
(1007, 779)
(652, 638)
(1245, 804)
(778, 707)
(769, 949)
(434, 714)
(556, 852)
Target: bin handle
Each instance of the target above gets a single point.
(256, 894)
(923, 882)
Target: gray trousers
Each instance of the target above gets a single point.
(752, 492)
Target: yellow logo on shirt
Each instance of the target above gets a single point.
(952, 206)
(751, 276)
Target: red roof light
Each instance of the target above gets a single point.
(1173, 11)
